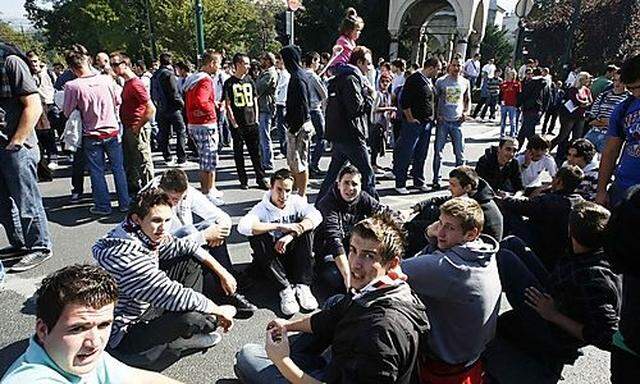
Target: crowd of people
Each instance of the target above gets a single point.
(386, 295)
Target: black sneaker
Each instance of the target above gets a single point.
(244, 308)
(244, 186)
(196, 343)
(436, 186)
(31, 261)
(11, 252)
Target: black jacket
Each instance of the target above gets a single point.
(348, 106)
(338, 219)
(585, 289)
(507, 178)
(164, 91)
(374, 338)
(297, 107)
(548, 221)
(535, 95)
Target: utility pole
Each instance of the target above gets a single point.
(199, 29)
(150, 29)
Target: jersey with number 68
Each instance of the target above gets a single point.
(242, 96)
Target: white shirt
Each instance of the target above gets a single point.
(295, 210)
(218, 82)
(398, 81)
(490, 70)
(532, 175)
(281, 88)
(472, 68)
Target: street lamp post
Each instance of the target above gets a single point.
(199, 28)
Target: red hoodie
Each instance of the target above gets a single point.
(200, 99)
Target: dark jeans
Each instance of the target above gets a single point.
(519, 268)
(251, 138)
(162, 337)
(21, 211)
(491, 105)
(411, 147)
(78, 171)
(358, 155)
(329, 280)
(569, 125)
(292, 267)
(253, 366)
(224, 130)
(317, 119)
(169, 122)
(281, 131)
(528, 129)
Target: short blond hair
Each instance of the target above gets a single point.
(466, 210)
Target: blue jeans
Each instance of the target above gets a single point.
(412, 146)
(223, 124)
(95, 150)
(266, 148)
(166, 122)
(317, 119)
(444, 130)
(510, 111)
(21, 211)
(358, 155)
(281, 131)
(254, 367)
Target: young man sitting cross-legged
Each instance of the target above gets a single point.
(74, 311)
(577, 303)
(200, 220)
(280, 230)
(372, 331)
(161, 314)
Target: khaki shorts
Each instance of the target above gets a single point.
(298, 148)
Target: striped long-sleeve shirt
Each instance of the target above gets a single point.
(141, 283)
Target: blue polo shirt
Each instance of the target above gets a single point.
(35, 366)
(628, 128)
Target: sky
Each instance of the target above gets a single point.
(15, 8)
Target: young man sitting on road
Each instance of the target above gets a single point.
(576, 304)
(74, 314)
(342, 207)
(546, 230)
(533, 161)
(456, 278)
(161, 314)
(373, 331)
(582, 153)
(499, 168)
(463, 181)
(280, 230)
(211, 229)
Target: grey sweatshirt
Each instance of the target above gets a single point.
(461, 289)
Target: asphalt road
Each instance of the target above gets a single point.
(74, 231)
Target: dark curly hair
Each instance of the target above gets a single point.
(82, 284)
(147, 199)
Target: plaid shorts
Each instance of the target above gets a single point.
(206, 139)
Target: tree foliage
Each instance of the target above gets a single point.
(24, 41)
(496, 45)
(604, 31)
(108, 25)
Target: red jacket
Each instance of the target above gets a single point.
(510, 91)
(200, 99)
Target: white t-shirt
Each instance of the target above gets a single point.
(490, 70)
(398, 81)
(472, 68)
(532, 175)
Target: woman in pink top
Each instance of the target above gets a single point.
(350, 30)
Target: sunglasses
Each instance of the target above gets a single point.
(115, 63)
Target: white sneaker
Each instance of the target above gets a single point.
(288, 304)
(305, 297)
(218, 202)
(53, 165)
(402, 191)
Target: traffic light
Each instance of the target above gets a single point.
(281, 28)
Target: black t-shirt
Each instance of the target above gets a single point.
(242, 95)
(17, 81)
(418, 95)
